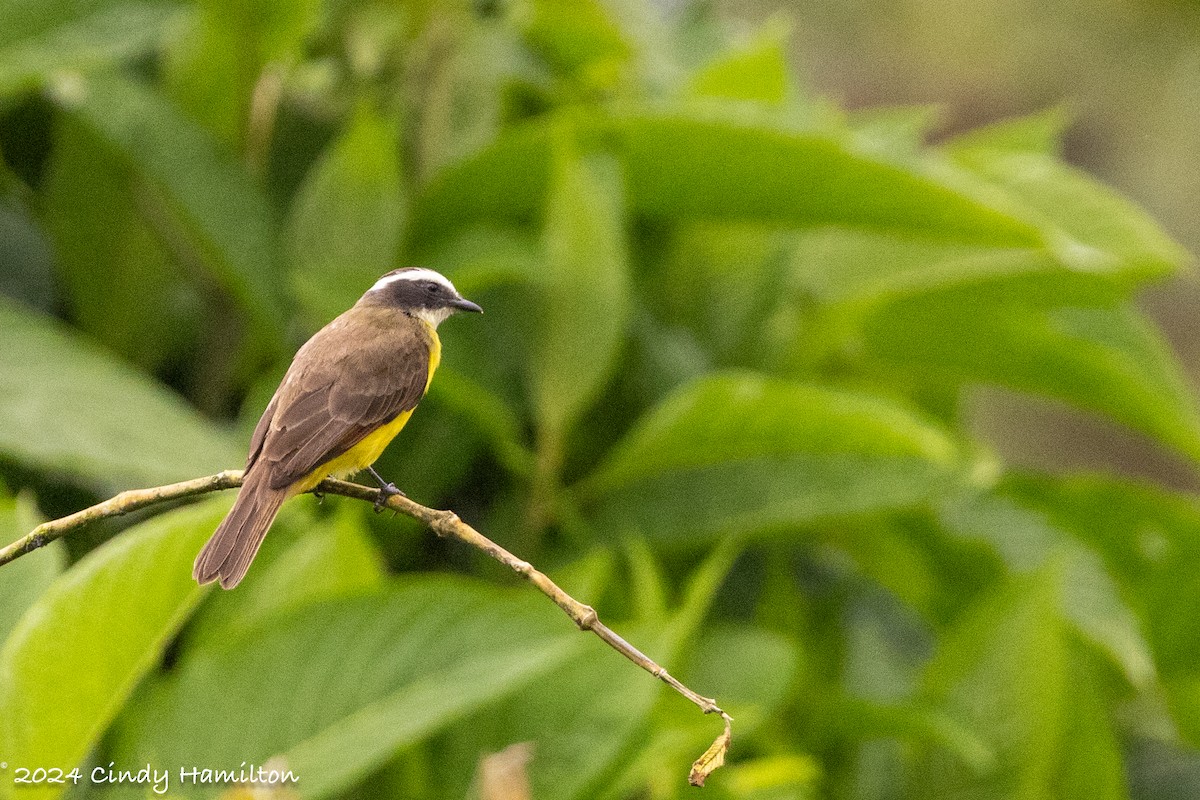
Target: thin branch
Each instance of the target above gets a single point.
(444, 523)
(123, 503)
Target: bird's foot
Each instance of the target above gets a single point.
(386, 491)
(320, 497)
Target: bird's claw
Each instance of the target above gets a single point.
(384, 493)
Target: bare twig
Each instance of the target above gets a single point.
(123, 503)
(444, 523)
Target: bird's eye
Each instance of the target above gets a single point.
(432, 288)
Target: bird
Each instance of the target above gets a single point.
(348, 392)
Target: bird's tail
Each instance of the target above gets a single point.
(228, 554)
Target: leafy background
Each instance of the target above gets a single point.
(768, 381)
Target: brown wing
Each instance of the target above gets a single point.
(260, 431)
(348, 380)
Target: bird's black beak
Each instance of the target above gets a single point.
(463, 304)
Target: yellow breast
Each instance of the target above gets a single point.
(368, 450)
(435, 352)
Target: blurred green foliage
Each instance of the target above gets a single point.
(718, 392)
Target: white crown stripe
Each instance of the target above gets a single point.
(415, 274)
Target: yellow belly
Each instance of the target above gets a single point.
(367, 451)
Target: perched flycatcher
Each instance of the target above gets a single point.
(348, 392)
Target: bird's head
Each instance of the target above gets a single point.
(423, 293)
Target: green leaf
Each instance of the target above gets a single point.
(757, 72)
(1091, 600)
(648, 588)
(348, 217)
(775, 777)
(576, 37)
(504, 183)
(337, 757)
(27, 19)
(1092, 758)
(217, 210)
(122, 286)
(26, 256)
(723, 281)
(1150, 541)
(1093, 236)
(1007, 672)
(67, 407)
(23, 581)
(737, 416)
(213, 68)
(885, 551)
(750, 670)
(869, 722)
(76, 655)
(463, 110)
(378, 672)
(1090, 222)
(685, 167)
(1030, 336)
(894, 133)
(498, 422)
(743, 452)
(984, 678)
(837, 266)
(1040, 133)
(709, 169)
(42, 37)
(585, 293)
